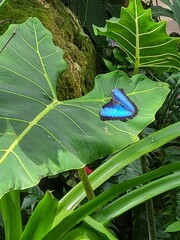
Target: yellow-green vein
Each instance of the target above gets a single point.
(28, 128)
(42, 64)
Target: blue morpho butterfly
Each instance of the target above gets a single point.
(119, 108)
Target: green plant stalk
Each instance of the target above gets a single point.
(11, 214)
(86, 183)
(151, 220)
(149, 205)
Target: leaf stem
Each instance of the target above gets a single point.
(86, 183)
(149, 205)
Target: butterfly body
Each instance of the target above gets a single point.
(119, 108)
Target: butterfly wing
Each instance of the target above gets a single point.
(114, 111)
(119, 96)
(120, 107)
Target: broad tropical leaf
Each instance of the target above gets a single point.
(40, 135)
(145, 41)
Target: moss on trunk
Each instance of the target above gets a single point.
(67, 33)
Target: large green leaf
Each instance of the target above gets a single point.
(40, 135)
(145, 41)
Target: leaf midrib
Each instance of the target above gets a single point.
(136, 67)
(42, 64)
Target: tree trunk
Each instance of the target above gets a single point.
(67, 33)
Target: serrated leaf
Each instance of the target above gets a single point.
(40, 135)
(145, 41)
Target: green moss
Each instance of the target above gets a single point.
(67, 33)
(17, 12)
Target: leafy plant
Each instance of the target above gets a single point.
(169, 112)
(138, 35)
(116, 59)
(34, 132)
(40, 135)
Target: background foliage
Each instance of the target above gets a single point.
(34, 134)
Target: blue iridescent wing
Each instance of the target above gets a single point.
(119, 108)
(119, 96)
